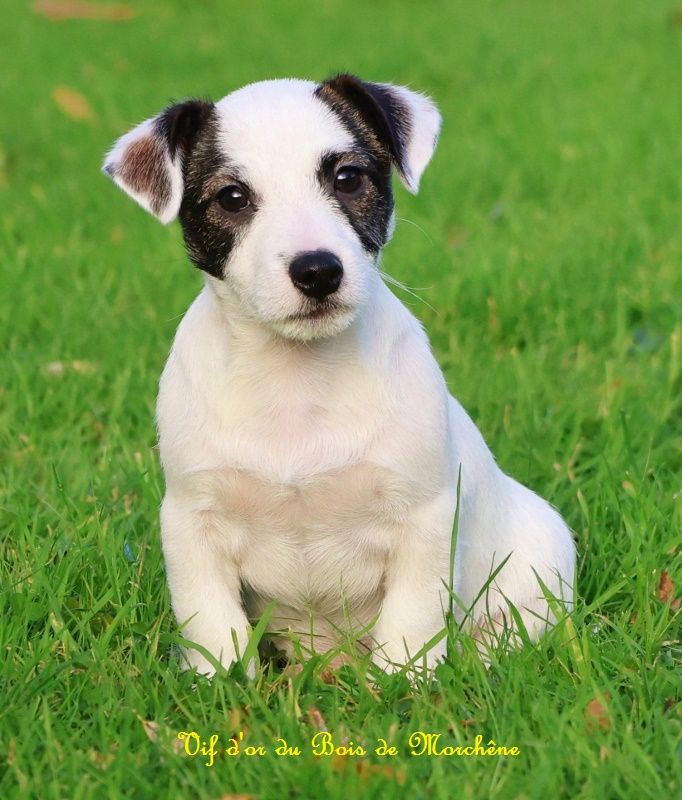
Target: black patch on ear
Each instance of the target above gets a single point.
(180, 124)
(373, 106)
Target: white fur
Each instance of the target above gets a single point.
(424, 136)
(316, 460)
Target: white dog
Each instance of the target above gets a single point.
(311, 450)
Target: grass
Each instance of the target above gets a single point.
(546, 247)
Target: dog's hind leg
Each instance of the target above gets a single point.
(515, 551)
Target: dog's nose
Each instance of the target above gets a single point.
(317, 273)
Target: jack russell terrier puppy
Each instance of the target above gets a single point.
(312, 453)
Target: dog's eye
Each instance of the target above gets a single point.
(232, 198)
(348, 180)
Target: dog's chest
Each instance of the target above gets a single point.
(315, 541)
(307, 467)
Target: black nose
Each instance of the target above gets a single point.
(317, 273)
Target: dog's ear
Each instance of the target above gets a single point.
(147, 161)
(406, 123)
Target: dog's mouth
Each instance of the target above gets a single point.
(326, 308)
(318, 319)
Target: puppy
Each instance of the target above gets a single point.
(312, 454)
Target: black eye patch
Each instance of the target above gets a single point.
(213, 219)
(359, 183)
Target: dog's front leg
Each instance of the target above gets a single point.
(415, 594)
(204, 583)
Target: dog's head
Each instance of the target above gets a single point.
(283, 189)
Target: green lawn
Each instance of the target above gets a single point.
(546, 246)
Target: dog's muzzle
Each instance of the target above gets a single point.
(316, 273)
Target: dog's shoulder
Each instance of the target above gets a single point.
(200, 333)
(191, 368)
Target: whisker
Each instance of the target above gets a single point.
(417, 226)
(395, 282)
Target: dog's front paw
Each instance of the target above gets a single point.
(193, 659)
